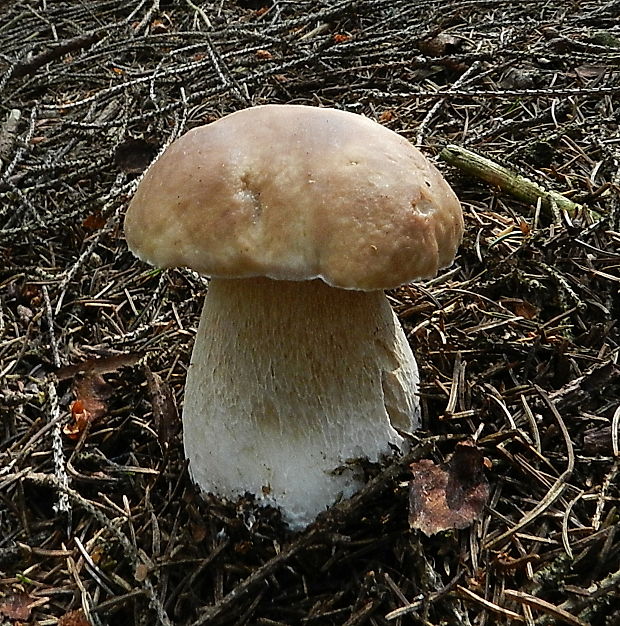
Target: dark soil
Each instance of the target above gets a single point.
(517, 342)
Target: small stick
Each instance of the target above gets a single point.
(508, 181)
(24, 68)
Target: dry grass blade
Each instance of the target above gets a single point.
(487, 604)
(542, 605)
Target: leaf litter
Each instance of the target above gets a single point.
(450, 495)
(521, 330)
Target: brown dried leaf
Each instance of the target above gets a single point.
(590, 72)
(340, 38)
(16, 606)
(520, 307)
(94, 221)
(80, 417)
(449, 496)
(141, 573)
(91, 392)
(159, 27)
(165, 411)
(74, 618)
(440, 44)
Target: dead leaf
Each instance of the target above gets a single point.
(91, 392)
(158, 27)
(165, 412)
(74, 618)
(587, 73)
(141, 573)
(16, 606)
(387, 116)
(448, 496)
(80, 418)
(94, 221)
(440, 44)
(519, 307)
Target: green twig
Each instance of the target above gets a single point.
(510, 182)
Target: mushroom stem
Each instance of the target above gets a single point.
(290, 380)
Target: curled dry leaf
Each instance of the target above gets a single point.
(80, 419)
(448, 496)
(90, 389)
(91, 392)
(587, 72)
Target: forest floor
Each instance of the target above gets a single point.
(517, 342)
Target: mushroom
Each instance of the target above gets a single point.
(301, 216)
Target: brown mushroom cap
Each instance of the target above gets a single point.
(296, 193)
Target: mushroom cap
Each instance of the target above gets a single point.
(294, 192)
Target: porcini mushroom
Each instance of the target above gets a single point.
(302, 216)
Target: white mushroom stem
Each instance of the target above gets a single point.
(288, 382)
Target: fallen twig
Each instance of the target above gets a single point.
(510, 182)
(31, 65)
